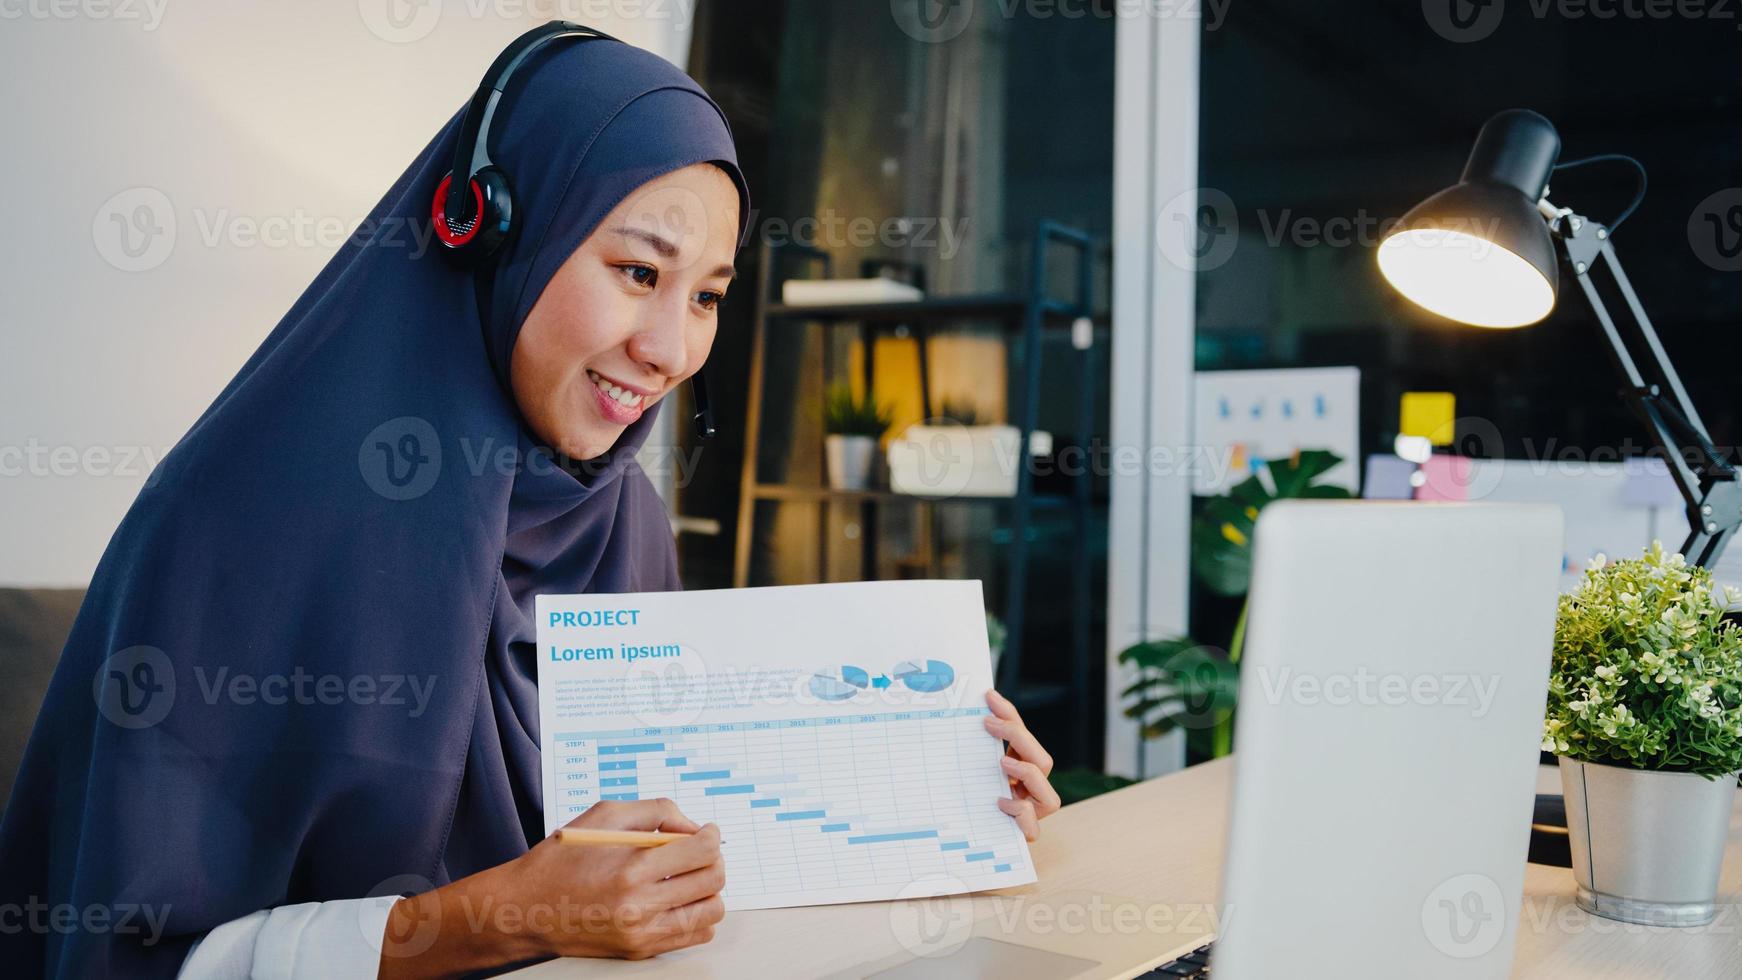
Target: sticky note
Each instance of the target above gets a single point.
(1445, 478)
(1429, 414)
(1388, 478)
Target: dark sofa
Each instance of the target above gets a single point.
(34, 624)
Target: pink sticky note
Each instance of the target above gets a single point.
(1447, 478)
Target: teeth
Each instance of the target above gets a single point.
(620, 395)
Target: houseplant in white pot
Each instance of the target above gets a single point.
(853, 426)
(1645, 714)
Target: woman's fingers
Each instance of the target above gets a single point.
(659, 814)
(1023, 811)
(1029, 777)
(665, 816)
(699, 850)
(1027, 765)
(689, 924)
(688, 888)
(1005, 723)
(1002, 706)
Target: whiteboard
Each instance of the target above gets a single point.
(1245, 418)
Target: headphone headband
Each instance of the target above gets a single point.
(473, 206)
(471, 149)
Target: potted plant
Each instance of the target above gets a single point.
(1645, 714)
(960, 412)
(1181, 682)
(853, 426)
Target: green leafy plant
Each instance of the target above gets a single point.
(847, 415)
(1222, 531)
(1647, 671)
(1181, 682)
(1076, 785)
(996, 631)
(960, 412)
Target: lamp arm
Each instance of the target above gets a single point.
(1705, 478)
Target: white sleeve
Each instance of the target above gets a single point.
(338, 939)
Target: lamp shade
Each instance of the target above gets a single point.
(1479, 252)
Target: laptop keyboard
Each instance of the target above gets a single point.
(1194, 964)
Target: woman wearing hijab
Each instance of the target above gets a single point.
(302, 682)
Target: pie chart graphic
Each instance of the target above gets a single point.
(925, 676)
(839, 683)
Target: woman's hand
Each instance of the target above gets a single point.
(657, 898)
(567, 900)
(1027, 765)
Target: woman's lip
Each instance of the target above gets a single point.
(614, 410)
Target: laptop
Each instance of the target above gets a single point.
(1391, 697)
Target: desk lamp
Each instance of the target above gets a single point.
(1486, 252)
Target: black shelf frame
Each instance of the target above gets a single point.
(1029, 318)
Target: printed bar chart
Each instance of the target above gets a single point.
(873, 799)
(835, 733)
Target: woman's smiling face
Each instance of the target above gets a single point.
(630, 315)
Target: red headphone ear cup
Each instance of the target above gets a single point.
(491, 221)
(453, 235)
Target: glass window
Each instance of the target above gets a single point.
(925, 150)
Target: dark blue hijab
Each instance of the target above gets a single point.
(304, 668)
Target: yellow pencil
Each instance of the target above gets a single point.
(620, 838)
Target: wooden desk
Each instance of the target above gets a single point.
(1160, 843)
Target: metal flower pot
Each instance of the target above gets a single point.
(1647, 846)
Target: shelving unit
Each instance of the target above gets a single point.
(1031, 318)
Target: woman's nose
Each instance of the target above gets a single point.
(658, 342)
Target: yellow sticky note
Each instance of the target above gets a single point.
(1428, 414)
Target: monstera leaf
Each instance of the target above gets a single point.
(1222, 532)
(1180, 684)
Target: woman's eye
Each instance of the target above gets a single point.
(710, 299)
(642, 275)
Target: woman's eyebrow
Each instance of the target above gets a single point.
(664, 246)
(668, 249)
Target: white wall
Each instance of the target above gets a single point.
(1155, 176)
(260, 131)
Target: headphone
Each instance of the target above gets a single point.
(472, 227)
